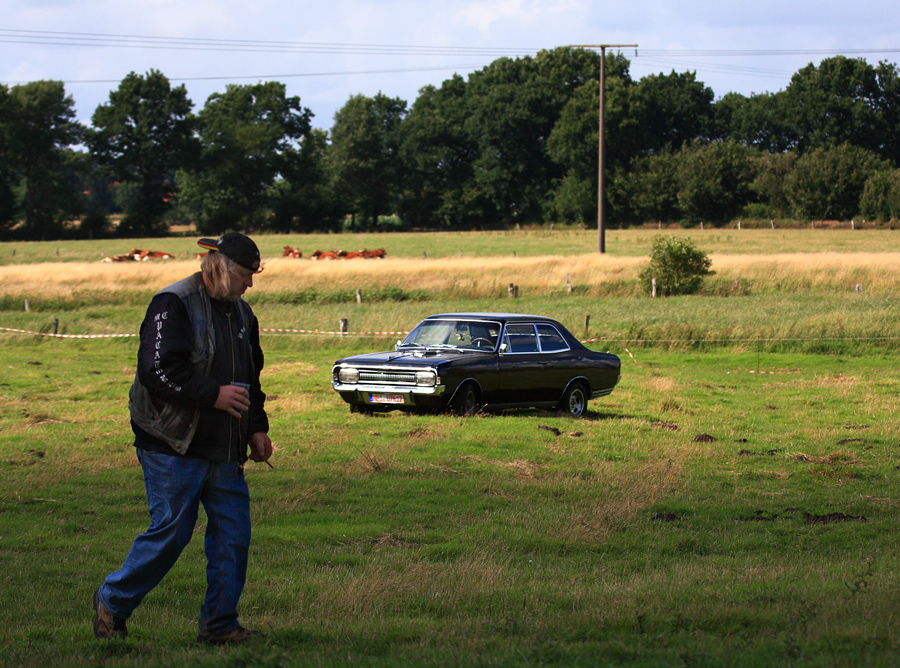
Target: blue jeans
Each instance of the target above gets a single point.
(176, 486)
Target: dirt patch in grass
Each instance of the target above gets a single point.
(837, 380)
(834, 458)
(521, 467)
(833, 517)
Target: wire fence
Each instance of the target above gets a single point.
(626, 341)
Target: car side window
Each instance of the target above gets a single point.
(521, 338)
(551, 339)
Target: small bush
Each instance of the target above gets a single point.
(677, 265)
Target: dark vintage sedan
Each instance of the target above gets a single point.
(463, 362)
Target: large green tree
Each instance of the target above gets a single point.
(672, 111)
(714, 181)
(363, 164)
(41, 126)
(438, 188)
(573, 142)
(514, 106)
(770, 199)
(656, 114)
(834, 103)
(888, 77)
(703, 182)
(143, 135)
(646, 190)
(759, 121)
(251, 137)
(828, 183)
(302, 200)
(881, 196)
(7, 199)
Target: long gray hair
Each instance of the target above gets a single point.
(216, 269)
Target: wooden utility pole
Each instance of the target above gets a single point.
(601, 158)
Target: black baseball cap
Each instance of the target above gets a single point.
(235, 246)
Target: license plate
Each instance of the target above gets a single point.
(386, 398)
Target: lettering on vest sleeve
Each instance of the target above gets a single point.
(157, 358)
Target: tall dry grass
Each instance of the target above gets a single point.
(793, 272)
(473, 276)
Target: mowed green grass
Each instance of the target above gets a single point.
(732, 503)
(703, 510)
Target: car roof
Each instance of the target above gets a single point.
(505, 317)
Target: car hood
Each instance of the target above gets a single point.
(411, 358)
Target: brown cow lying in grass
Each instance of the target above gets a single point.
(128, 257)
(347, 255)
(144, 255)
(138, 255)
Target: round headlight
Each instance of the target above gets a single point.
(348, 376)
(426, 378)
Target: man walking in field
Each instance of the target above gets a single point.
(196, 405)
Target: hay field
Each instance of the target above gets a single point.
(473, 276)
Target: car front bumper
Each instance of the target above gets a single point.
(387, 396)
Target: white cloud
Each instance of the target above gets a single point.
(485, 15)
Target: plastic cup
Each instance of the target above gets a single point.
(246, 386)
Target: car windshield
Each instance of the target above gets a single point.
(456, 334)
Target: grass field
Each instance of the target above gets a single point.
(730, 504)
(565, 241)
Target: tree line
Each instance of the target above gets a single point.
(515, 142)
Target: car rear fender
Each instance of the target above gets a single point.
(463, 382)
(578, 379)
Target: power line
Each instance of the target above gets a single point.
(643, 61)
(682, 58)
(262, 77)
(83, 39)
(54, 38)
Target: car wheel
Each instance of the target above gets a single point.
(465, 400)
(574, 401)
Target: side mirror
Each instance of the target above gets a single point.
(398, 344)
(504, 347)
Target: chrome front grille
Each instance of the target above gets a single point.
(387, 377)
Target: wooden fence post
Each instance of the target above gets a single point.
(359, 296)
(653, 287)
(343, 326)
(569, 283)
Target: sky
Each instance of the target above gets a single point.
(326, 51)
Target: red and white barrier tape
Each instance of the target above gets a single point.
(319, 331)
(67, 336)
(265, 330)
(329, 333)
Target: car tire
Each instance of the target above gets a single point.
(465, 401)
(574, 400)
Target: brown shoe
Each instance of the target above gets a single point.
(234, 636)
(105, 625)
